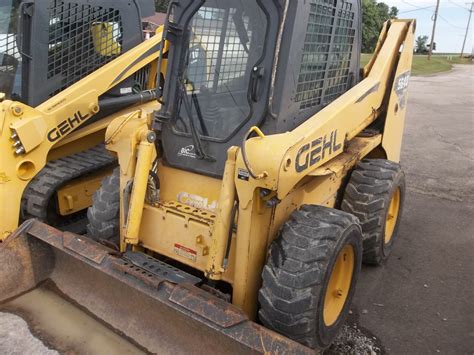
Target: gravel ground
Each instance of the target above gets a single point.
(16, 338)
(351, 340)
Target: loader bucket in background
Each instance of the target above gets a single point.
(159, 315)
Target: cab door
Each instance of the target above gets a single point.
(219, 71)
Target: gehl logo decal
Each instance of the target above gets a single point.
(66, 126)
(312, 153)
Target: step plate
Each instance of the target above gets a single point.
(142, 264)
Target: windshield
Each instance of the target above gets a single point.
(10, 59)
(226, 41)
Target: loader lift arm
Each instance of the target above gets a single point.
(27, 134)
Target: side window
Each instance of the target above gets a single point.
(10, 59)
(325, 64)
(213, 63)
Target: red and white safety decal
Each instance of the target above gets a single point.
(185, 252)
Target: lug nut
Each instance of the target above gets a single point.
(14, 136)
(20, 150)
(16, 144)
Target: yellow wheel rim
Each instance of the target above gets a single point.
(339, 285)
(392, 216)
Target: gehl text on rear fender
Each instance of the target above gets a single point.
(317, 150)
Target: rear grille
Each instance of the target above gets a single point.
(326, 59)
(340, 57)
(73, 53)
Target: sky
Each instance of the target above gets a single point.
(451, 24)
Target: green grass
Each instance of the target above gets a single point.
(437, 64)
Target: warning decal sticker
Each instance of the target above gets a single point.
(185, 252)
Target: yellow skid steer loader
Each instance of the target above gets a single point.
(51, 141)
(244, 204)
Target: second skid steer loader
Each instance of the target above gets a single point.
(246, 203)
(47, 46)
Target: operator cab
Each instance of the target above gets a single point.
(48, 45)
(232, 65)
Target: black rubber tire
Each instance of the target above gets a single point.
(368, 194)
(298, 269)
(104, 214)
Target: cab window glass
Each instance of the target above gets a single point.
(226, 40)
(10, 59)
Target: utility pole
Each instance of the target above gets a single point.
(434, 29)
(467, 28)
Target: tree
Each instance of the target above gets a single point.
(421, 45)
(374, 14)
(161, 5)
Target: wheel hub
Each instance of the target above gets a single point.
(339, 285)
(392, 216)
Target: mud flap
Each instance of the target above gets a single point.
(160, 315)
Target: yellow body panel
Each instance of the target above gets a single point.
(77, 195)
(178, 231)
(203, 193)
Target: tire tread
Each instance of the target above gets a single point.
(103, 215)
(366, 196)
(295, 269)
